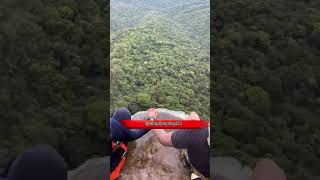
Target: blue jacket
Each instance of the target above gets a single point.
(120, 133)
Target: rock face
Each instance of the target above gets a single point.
(228, 168)
(148, 159)
(267, 169)
(93, 169)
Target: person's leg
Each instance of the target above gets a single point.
(38, 163)
(117, 131)
(121, 114)
(114, 161)
(120, 133)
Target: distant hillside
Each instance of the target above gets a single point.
(155, 60)
(195, 18)
(155, 64)
(193, 15)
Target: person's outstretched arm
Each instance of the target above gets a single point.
(120, 133)
(163, 137)
(137, 133)
(179, 138)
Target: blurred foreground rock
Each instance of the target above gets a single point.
(228, 168)
(267, 169)
(93, 169)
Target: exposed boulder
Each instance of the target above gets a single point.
(93, 169)
(148, 159)
(267, 169)
(228, 168)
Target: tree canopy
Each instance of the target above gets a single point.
(53, 82)
(157, 58)
(266, 83)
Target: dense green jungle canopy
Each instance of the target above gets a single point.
(265, 74)
(160, 55)
(53, 55)
(266, 83)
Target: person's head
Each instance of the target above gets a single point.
(41, 162)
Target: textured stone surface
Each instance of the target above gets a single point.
(267, 169)
(228, 168)
(148, 159)
(93, 169)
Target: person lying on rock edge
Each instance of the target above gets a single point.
(120, 136)
(195, 141)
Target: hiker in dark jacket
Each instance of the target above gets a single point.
(195, 141)
(120, 133)
(120, 136)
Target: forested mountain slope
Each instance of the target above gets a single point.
(195, 18)
(155, 65)
(193, 15)
(156, 62)
(266, 83)
(53, 81)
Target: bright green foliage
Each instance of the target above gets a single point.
(156, 61)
